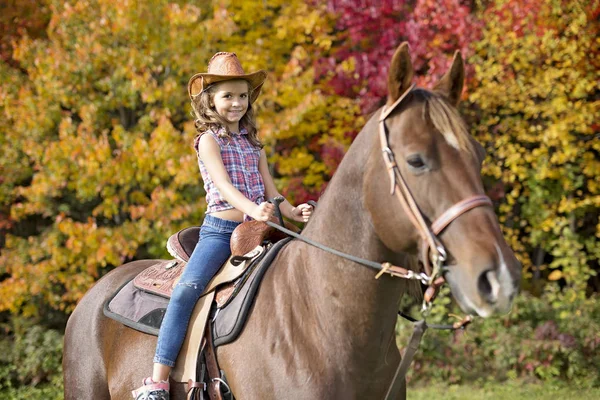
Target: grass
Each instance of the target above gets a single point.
(511, 390)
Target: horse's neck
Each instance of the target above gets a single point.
(351, 298)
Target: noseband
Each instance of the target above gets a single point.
(432, 251)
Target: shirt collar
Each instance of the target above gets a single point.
(243, 131)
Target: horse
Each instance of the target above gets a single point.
(323, 327)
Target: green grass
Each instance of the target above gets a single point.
(511, 390)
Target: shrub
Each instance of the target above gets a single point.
(30, 355)
(542, 339)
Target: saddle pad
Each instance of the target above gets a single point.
(136, 308)
(230, 320)
(144, 312)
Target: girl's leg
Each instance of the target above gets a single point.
(210, 253)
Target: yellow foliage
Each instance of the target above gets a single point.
(537, 92)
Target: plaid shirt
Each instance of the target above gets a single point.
(240, 158)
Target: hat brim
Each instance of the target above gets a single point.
(200, 81)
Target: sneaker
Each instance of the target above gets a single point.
(151, 390)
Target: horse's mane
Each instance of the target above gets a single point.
(445, 118)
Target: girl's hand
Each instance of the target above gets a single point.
(302, 212)
(263, 211)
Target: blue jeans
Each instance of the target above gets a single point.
(212, 250)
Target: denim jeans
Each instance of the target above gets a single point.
(212, 250)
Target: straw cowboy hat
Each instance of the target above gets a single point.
(225, 66)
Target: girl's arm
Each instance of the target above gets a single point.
(210, 154)
(300, 213)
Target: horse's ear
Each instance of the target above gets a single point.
(401, 73)
(451, 84)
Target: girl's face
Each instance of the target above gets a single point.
(230, 100)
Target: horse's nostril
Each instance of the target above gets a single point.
(488, 286)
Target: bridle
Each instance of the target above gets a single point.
(432, 251)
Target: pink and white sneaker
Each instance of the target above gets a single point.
(151, 390)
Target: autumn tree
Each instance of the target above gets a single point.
(369, 31)
(535, 107)
(97, 135)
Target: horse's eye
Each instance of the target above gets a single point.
(415, 162)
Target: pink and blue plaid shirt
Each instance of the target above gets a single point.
(240, 158)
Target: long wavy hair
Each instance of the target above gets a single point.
(206, 117)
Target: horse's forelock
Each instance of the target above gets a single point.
(446, 119)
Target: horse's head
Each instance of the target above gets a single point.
(440, 163)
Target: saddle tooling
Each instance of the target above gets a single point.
(222, 310)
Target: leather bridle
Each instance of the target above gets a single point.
(433, 253)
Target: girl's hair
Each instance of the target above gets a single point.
(207, 118)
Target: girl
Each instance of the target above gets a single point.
(237, 181)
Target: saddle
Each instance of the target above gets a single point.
(246, 239)
(141, 303)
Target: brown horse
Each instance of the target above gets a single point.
(322, 327)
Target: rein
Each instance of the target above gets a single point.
(385, 267)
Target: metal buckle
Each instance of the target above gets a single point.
(390, 155)
(222, 382)
(437, 258)
(421, 276)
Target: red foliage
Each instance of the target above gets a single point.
(20, 18)
(435, 30)
(332, 154)
(370, 32)
(297, 193)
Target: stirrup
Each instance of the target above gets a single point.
(151, 390)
